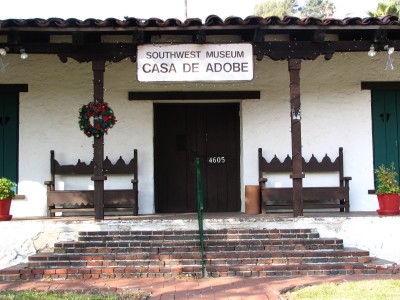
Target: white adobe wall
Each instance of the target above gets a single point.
(335, 113)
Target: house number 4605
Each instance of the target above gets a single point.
(217, 160)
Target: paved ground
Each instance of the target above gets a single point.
(178, 288)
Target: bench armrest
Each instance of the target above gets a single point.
(262, 181)
(346, 181)
(50, 185)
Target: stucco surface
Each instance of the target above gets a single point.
(335, 112)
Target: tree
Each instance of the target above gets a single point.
(385, 8)
(311, 8)
(276, 8)
(317, 9)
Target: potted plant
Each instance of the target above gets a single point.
(387, 190)
(6, 195)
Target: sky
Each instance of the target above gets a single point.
(162, 9)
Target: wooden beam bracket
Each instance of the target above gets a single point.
(259, 35)
(319, 36)
(137, 37)
(200, 37)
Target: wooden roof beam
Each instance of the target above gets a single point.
(258, 35)
(137, 37)
(200, 37)
(82, 38)
(319, 36)
(380, 36)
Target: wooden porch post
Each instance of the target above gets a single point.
(98, 67)
(295, 114)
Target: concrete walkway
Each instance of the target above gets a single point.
(189, 288)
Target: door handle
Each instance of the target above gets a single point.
(382, 116)
(7, 119)
(1, 121)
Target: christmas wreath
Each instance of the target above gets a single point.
(103, 118)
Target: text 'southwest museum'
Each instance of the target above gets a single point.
(217, 90)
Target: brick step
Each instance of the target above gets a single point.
(305, 254)
(194, 235)
(206, 231)
(255, 253)
(194, 270)
(177, 245)
(50, 260)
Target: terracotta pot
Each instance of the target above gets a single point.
(5, 205)
(388, 204)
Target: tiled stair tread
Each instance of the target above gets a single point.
(221, 261)
(50, 256)
(192, 238)
(333, 265)
(230, 237)
(190, 232)
(172, 250)
(14, 269)
(208, 234)
(381, 262)
(196, 242)
(190, 268)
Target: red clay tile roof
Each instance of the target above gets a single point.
(209, 22)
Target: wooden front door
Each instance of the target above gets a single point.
(182, 132)
(386, 127)
(9, 136)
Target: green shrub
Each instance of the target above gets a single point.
(386, 180)
(6, 188)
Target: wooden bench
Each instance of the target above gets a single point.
(77, 201)
(281, 198)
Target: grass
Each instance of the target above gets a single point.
(370, 289)
(36, 295)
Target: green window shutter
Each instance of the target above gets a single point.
(386, 127)
(379, 128)
(9, 136)
(391, 124)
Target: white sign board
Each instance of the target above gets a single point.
(195, 62)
